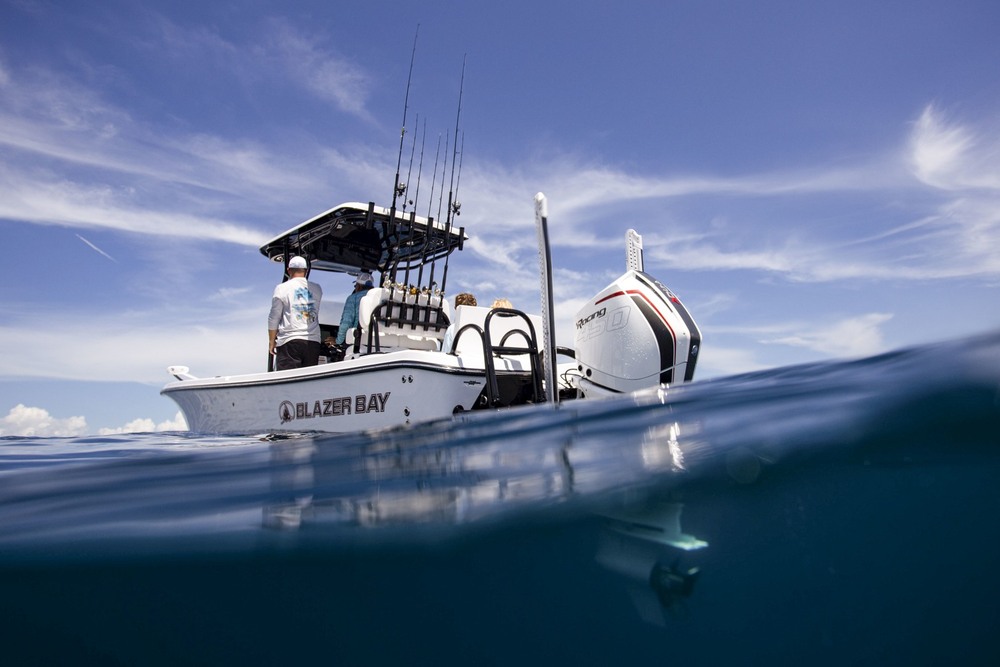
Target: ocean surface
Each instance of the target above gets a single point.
(840, 513)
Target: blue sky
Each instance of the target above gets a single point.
(815, 180)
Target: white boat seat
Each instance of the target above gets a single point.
(402, 320)
(470, 343)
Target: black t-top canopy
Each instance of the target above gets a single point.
(357, 237)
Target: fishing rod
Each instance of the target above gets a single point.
(427, 242)
(453, 205)
(461, 156)
(397, 187)
(430, 221)
(458, 116)
(416, 197)
(402, 190)
(430, 204)
(437, 153)
(444, 168)
(402, 132)
(409, 170)
(456, 208)
(420, 166)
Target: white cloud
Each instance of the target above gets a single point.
(851, 337)
(139, 346)
(279, 54)
(26, 421)
(227, 293)
(178, 423)
(978, 239)
(718, 360)
(150, 180)
(29, 421)
(75, 159)
(590, 205)
(166, 183)
(319, 70)
(951, 156)
(937, 148)
(963, 233)
(42, 199)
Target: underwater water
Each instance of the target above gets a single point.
(826, 514)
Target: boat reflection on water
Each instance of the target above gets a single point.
(442, 479)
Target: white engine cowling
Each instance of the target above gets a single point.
(634, 334)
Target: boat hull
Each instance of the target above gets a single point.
(349, 396)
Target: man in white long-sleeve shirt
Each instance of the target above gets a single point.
(293, 323)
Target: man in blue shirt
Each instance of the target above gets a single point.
(349, 319)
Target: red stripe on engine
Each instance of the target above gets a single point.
(635, 292)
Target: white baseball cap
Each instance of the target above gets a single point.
(297, 263)
(364, 278)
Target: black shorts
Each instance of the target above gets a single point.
(296, 353)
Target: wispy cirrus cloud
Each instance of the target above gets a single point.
(856, 336)
(944, 166)
(282, 53)
(198, 336)
(42, 198)
(850, 336)
(84, 163)
(91, 138)
(923, 210)
(950, 156)
(318, 69)
(875, 220)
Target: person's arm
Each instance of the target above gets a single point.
(348, 319)
(273, 321)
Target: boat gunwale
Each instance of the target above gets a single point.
(326, 371)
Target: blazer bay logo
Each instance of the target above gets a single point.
(333, 407)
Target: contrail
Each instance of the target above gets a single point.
(96, 248)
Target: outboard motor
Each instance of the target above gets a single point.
(634, 334)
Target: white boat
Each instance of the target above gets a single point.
(633, 334)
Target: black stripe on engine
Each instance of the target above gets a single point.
(695, 333)
(664, 339)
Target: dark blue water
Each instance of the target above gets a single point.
(846, 514)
